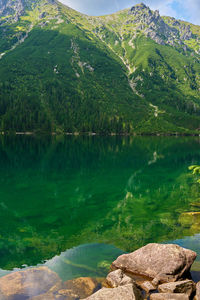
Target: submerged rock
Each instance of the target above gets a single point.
(132, 274)
(53, 293)
(71, 290)
(189, 218)
(83, 286)
(186, 287)
(125, 292)
(28, 283)
(46, 296)
(163, 263)
(59, 295)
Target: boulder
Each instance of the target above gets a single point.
(185, 287)
(28, 283)
(169, 297)
(147, 286)
(163, 263)
(117, 278)
(197, 297)
(128, 292)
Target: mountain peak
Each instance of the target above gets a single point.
(139, 7)
(153, 26)
(66, 71)
(142, 5)
(9, 7)
(17, 8)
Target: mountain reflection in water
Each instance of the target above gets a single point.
(57, 193)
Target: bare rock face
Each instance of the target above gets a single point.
(163, 263)
(169, 297)
(185, 287)
(155, 27)
(9, 7)
(28, 283)
(117, 278)
(128, 292)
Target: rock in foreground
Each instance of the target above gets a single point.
(169, 297)
(185, 286)
(197, 297)
(126, 292)
(163, 263)
(117, 278)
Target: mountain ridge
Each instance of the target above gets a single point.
(130, 72)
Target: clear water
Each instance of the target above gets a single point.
(76, 203)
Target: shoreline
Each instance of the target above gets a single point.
(175, 134)
(155, 272)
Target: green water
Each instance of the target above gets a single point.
(76, 203)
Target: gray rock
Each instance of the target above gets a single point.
(137, 8)
(185, 286)
(185, 32)
(117, 278)
(153, 26)
(164, 263)
(169, 297)
(42, 15)
(14, 8)
(128, 292)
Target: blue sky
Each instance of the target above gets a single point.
(188, 10)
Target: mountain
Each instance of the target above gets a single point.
(130, 72)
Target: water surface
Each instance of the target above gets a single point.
(76, 203)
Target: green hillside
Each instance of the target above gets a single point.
(130, 72)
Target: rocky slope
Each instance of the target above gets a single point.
(130, 72)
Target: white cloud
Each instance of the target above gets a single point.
(94, 7)
(191, 10)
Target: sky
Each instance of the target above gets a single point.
(188, 10)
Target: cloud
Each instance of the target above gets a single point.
(188, 10)
(191, 10)
(97, 7)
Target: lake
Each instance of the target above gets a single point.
(75, 203)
